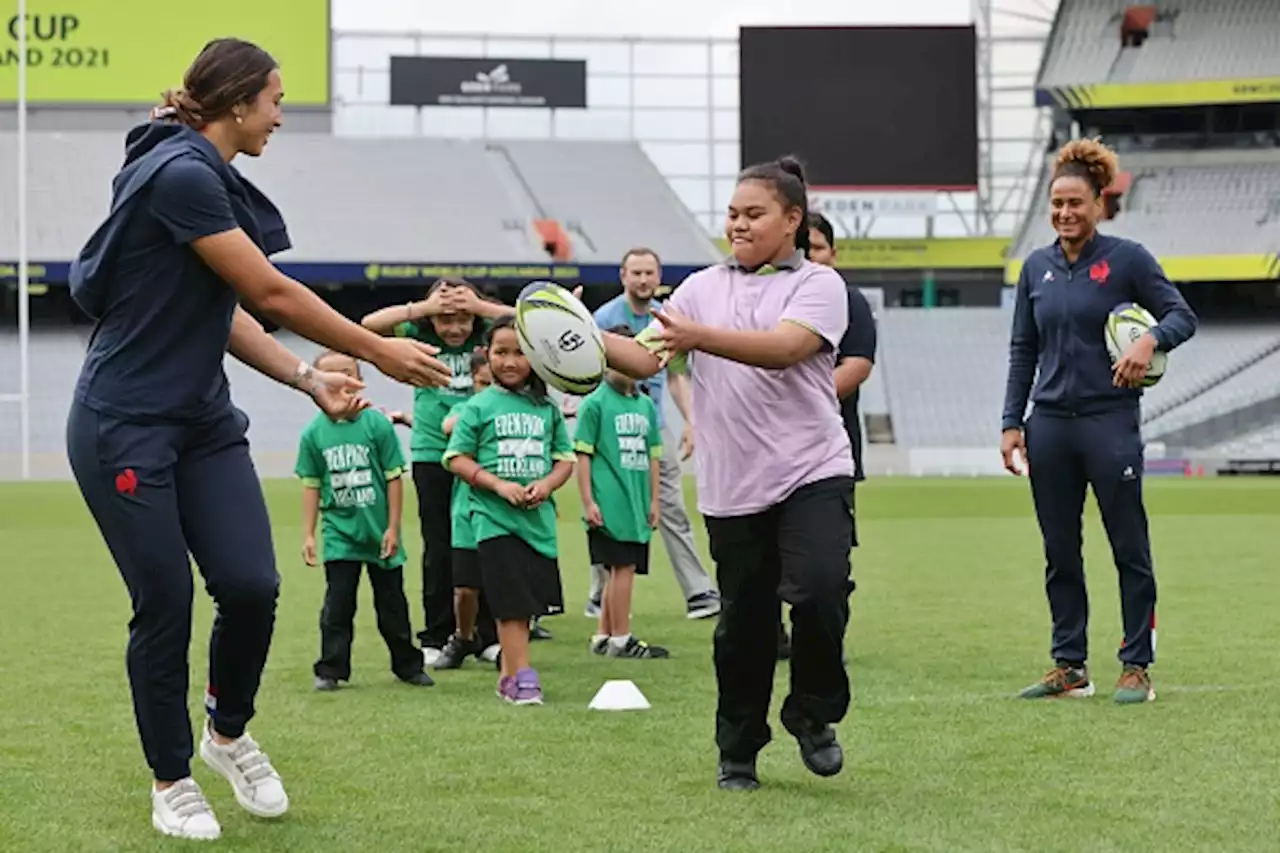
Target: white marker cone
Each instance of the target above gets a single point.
(619, 696)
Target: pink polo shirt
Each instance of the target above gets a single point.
(761, 434)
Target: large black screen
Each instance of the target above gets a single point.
(863, 106)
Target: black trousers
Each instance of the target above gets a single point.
(797, 551)
(434, 485)
(1065, 455)
(159, 493)
(337, 619)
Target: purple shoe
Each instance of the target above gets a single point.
(528, 691)
(507, 690)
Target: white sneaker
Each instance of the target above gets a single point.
(490, 653)
(182, 812)
(430, 655)
(256, 783)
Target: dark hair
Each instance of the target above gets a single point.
(822, 225)
(453, 282)
(640, 251)
(786, 176)
(534, 386)
(226, 73)
(1089, 160)
(479, 358)
(621, 330)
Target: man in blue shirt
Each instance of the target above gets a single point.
(641, 274)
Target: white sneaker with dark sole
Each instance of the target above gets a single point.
(181, 811)
(704, 606)
(256, 784)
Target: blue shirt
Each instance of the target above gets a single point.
(617, 312)
(163, 316)
(1059, 314)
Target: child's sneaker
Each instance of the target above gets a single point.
(507, 688)
(455, 652)
(637, 649)
(182, 812)
(256, 783)
(600, 644)
(528, 688)
(1135, 686)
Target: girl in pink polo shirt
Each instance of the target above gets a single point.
(773, 465)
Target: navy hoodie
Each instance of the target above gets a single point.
(1058, 320)
(163, 316)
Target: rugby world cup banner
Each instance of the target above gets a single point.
(1182, 93)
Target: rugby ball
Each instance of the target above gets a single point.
(560, 338)
(1125, 324)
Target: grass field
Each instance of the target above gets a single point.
(949, 621)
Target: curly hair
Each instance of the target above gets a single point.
(1087, 159)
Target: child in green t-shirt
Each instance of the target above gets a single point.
(453, 317)
(619, 447)
(351, 476)
(476, 633)
(511, 445)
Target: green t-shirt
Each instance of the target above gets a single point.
(431, 405)
(516, 439)
(462, 536)
(351, 462)
(620, 433)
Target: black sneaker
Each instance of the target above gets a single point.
(420, 679)
(636, 649)
(537, 632)
(737, 776)
(455, 652)
(703, 605)
(819, 749)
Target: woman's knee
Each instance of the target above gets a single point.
(248, 590)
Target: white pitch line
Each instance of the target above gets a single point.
(986, 698)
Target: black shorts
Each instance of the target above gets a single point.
(466, 569)
(519, 583)
(611, 553)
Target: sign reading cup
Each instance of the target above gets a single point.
(440, 81)
(127, 52)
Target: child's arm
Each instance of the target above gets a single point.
(590, 511)
(468, 469)
(395, 506)
(310, 513)
(655, 502)
(386, 321)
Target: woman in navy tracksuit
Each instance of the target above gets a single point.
(157, 448)
(1084, 429)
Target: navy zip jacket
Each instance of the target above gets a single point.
(163, 316)
(1058, 320)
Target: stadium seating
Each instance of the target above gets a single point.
(1185, 203)
(1191, 40)
(390, 200)
(1259, 382)
(1261, 443)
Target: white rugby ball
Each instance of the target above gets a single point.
(560, 338)
(1125, 324)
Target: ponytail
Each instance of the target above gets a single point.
(178, 106)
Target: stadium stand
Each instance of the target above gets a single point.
(1189, 40)
(1186, 203)
(408, 200)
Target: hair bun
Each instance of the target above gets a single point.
(788, 163)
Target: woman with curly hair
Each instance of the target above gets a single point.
(1084, 428)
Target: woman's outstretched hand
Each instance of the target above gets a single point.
(337, 394)
(411, 362)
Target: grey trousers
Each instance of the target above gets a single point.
(677, 532)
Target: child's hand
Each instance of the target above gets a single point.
(593, 516)
(400, 418)
(655, 513)
(309, 550)
(390, 542)
(536, 492)
(513, 493)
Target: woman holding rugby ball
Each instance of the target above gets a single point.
(1084, 429)
(774, 469)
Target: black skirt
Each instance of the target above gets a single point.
(518, 582)
(466, 569)
(610, 553)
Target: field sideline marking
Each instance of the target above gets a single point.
(983, 698)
